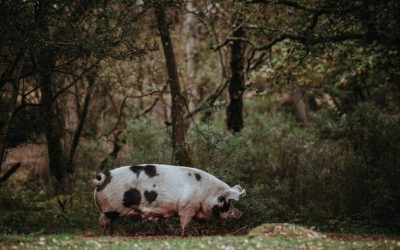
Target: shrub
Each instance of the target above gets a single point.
(341, 174)
(146, 142)
(346, 179)
(373, 175)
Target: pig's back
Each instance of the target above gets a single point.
(176, 183)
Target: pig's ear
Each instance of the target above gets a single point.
(242, 192)
(234, 193)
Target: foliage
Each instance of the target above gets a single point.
(348, 182)
(45, 213)
(339, 173)
(146, 141)
(372, 137)
(345, 180)
(293, 174)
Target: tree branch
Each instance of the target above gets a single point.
(148, 109)
(313, 40)
(12, 79)
(123, 105)
(81, 123)
(9, 172)
(209, 100)
(80, 76)
(292, 4)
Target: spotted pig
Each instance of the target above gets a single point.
(162, 191)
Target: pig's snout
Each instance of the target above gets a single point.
(235, 213)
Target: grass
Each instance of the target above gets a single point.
(216, 242)
(264, 237)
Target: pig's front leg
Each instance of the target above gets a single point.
(185, 216)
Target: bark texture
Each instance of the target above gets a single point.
(301, 106)
(53, 134)
(190, 55)
(181, 155)
(236, 85)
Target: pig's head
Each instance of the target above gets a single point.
(224, 208)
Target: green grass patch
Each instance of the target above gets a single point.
(63, 241)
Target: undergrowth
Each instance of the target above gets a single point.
(339, 175)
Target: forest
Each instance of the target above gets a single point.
(296, 100)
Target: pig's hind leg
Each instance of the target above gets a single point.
(106, 220)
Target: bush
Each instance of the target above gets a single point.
(287, 171)
(343, 181)
(341, 174)
(373, 175)
(29, 209)
(146, 142)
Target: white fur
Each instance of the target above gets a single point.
(179, 192)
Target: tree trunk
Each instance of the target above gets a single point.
(301, 106)
(82, 117)
(177, 102)
(53, 133)
(15, 73)
(7, 123)
(236, 85)
(191, 62)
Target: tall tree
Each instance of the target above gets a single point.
(46, 48)
(55, 151)
(190, 47)
(236, 85)
(181, 154)
(45, 61)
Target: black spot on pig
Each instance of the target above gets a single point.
(105, 182)
(136, 170)
(150, 196)
(131, 197)
(150, 170)
(216, 211)
(225, 207)
(198, 176)
(154, 185)
(190, 174)
(113, 215)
